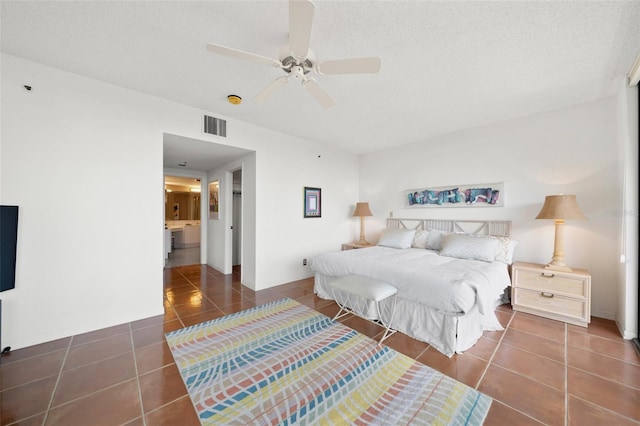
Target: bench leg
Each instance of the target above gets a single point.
(344, 310)
(388, 332)
(340, 313)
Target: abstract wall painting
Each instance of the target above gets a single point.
(477, 195)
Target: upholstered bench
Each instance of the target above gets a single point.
(356, 289)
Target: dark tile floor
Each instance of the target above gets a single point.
(538, 371)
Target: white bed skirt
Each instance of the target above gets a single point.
(448, 333)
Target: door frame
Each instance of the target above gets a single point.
(203, 205)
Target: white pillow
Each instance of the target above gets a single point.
(505, 249)
(420, 239)
(397, 238)
(469, 247)
(434, 239)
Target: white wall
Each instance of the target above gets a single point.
(272, 208)
(570, 151)
(248, 270)
(220, 234)
(72, 144)
(627, 314)
(88, 245)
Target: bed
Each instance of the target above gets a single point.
(450, 276)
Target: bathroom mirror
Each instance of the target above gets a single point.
(182, 198)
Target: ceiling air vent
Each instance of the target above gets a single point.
(215, 126)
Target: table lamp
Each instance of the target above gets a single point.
(362, 210)
(560, 208)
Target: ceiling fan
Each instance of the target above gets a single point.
(297, 60)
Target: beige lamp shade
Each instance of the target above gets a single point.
(362, 210)
(560, 208)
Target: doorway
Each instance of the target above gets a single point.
(236, 215)
(183, 210)
(189, 157)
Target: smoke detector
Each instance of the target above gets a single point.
(234, 99)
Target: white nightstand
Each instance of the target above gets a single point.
(352, 246)
(559, 295)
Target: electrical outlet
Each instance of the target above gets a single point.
(304, 262)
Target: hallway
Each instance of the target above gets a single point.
(183, 257)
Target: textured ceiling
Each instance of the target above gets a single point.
(446, 66)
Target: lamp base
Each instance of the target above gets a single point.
(557, 260)
(363, 242)
(563, 268)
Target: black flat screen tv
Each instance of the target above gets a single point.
(8, 245)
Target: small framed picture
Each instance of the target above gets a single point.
(312, 202)
(214, 200)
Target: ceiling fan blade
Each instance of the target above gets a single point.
(350, 66)
(300, 21)
(239, 54)
(275, 85)
(319, 93)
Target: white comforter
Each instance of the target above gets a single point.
(444, 283)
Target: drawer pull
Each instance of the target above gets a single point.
(547, 295)
(548, 276)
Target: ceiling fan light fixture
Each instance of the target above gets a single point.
(234, 99)
(297, 60)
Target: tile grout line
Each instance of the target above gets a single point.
(179, 317)
(608, 410)
(421, 352)
(173, 307)
(604, 354)
(96, 362)
(71, 401)
(95, 391)
(215, 304)
(608, 379)
(55, 387)
(166, 404)
(489, 363)
(135, 366)
(525, 377)
(535, 353)
(494, 352)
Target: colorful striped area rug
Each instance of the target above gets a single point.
(284, 363)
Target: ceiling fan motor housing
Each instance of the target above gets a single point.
(297, 72)
(288, 61)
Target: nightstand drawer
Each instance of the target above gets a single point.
(550, 303)
(559, 295)
(552, 282)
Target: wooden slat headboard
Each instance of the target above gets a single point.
(497, 228)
